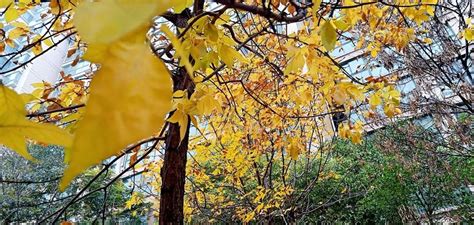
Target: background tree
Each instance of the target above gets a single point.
(440, 65)
(385, 179)
(29, 190)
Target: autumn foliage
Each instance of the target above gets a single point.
(247, 89)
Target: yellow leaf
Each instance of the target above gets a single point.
(294, 148)
(328, 35)
(26, 98)
(20, 25)
(62, 5)
(356, 93)
(95, 52)
(181, 5)
(48, 42)
(10, 42)
(469, 34)
(11, 14)
(194, 121)
(180, 94)
(259, 207)
(206, 104)
(181, 118)
(35, 107)
(341, 24)
(117, 18)
(339, 96)
(15, 128)
(375, 100)
(212, 32)
(180, 51)
(296, 64)
(16, 32)
(315, 8)
(356, 137)
(130, 96)
(5, 3)
(390, 110)
(37, 49)
(229, 54)
(428, 40)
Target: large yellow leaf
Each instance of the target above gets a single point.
(328, 35)
(181, 5)
(130, 96)
(95, 52)
(15, 128)
(5, 3)
(108, 20)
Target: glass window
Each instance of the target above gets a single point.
(425, 121)
(406, 85)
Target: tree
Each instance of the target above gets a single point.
(29, 190)
(441, 67)
(385, 179)
(437, 181)
(250, 85)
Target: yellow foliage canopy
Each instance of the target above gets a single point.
(130, 95)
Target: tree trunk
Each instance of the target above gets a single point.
(173, 175)
(173, 172)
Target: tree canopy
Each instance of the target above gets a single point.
(242, 100)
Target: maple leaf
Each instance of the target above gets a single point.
(122, 108)
(15, 128)
(130, 96)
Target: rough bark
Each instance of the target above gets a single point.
(173, 172)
